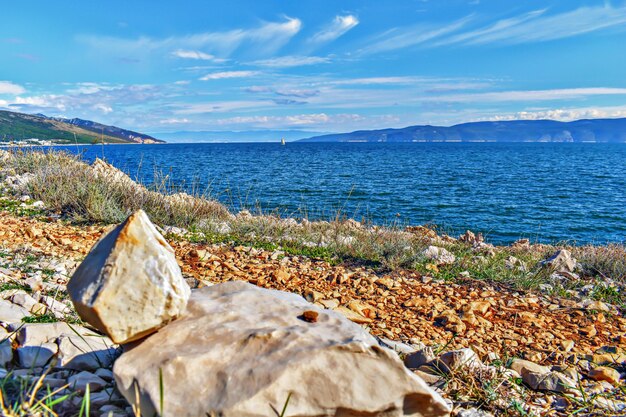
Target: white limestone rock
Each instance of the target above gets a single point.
(561, 260)
(130, 284)
(35, 356)
(12, 313)
(240, 350)
(80, 381)
(6, 350)
(439, 255)
(85, 353)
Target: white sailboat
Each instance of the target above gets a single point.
(282, 141)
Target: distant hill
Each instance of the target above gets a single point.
(592, 130)
(236, 136)
(20, 126)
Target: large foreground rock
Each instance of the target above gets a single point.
(240, 350)
(130, 284)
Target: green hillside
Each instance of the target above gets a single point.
(20, 126)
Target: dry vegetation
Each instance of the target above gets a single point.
(84, 194)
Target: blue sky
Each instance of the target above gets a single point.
(313, 65)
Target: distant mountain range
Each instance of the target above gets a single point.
(591, 130)
(236, 136)
(22, 127)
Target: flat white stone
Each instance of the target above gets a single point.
(240, 350)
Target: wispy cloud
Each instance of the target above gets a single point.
(528, 27)
(13, 40)
(540, 26)
(7, 87)
(296, 92)
(498, 27)
(228, 74)
(222, 106)
(283, 92)
(376, 80)
(291, 61)
(529, 95)
(398, 38)
(197, 55)
(264, 39)
(314, 120)
(28, 57)
(339, 26)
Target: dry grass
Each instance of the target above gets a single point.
(74, 188)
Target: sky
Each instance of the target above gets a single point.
(327, 66)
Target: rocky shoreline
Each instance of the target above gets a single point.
(485, 348)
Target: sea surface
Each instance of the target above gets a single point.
(547, 192)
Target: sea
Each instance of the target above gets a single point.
(545, 192)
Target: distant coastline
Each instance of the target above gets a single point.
(550, 131)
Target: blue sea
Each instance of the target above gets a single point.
(547, 192)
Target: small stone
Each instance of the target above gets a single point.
(462, 358)
(589, 331)
(36, 356)
(604, 373)
(561, 260)
(330, 304)
(105, 374)
(473, 412)
(85, 352)
(12, 313)
(552, 381)
(429, 378)
(352, 316)
(80, 381)
(310, 316)
(521, 366)
(440, 255)
(419, 358)
(567, 345)
(398, 347)
(6, 351)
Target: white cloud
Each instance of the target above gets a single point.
(564, 115)
(90, 88)
(188, 54)
(7, 87)
(84, 97)
(339, 26)
(228, 74)
(291, 61)
(102, 108)
(174, 121)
